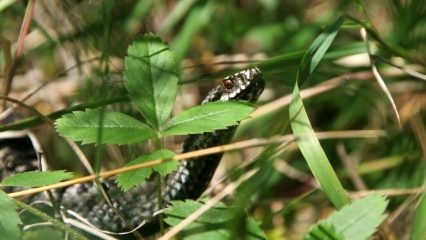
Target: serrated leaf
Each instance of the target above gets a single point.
(36, 179)
(181, 209)
(118, 128)
(323, 231)
(358, 220)
(151, 78)
(213, 224)
(207, 118)
(9, 219)
(131, 179)
(307, 141)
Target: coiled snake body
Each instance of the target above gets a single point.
(188, 182)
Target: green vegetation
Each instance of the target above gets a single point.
(336, 144)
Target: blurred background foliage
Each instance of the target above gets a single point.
(74, 50)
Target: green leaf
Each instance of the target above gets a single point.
(118, 128)
(9, 219)
(358, 220)
(306, 139)
(207, 118)
(151, 77)
(133, 178)
(36, 179)
(418, 230)
(317, 50)
(323, 232)
(213, 224)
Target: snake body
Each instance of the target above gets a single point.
(187, 182)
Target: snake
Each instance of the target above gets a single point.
(127, 210)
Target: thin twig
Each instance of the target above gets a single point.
(351, 161)
(405, 69)
(388, 192)
(318, 89)
(26, 23)
(223, 148)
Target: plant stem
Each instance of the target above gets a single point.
(158, 146)
(55, 222)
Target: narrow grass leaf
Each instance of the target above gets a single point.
(9, 219)
(317, 50)
(36, 179)
(151, 78)
(198, 17)
(308, 143)
(173, 18)
(207, 118)
(131, 179)
(118, 128)
(139, 11)
(418, 229)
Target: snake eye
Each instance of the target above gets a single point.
(228, 83)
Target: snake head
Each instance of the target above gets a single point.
(244, 85)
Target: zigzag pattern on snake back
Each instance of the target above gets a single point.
(188, 182)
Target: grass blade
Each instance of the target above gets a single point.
(308, 143)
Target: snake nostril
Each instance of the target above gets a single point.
(228, 83)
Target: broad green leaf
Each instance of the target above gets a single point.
(207, 118)
(151, 78)
(323, 232)
(418, 229)
(36, 179)
(9, 219)
(306, 139)
(181, 209)
(131, 179)
(360, 219)
(356, 221)
(167, 167)
(118, 128)
(213, 224)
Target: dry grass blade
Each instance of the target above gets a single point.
(379, 79)
(388, 192)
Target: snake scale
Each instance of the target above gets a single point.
(187, 182)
